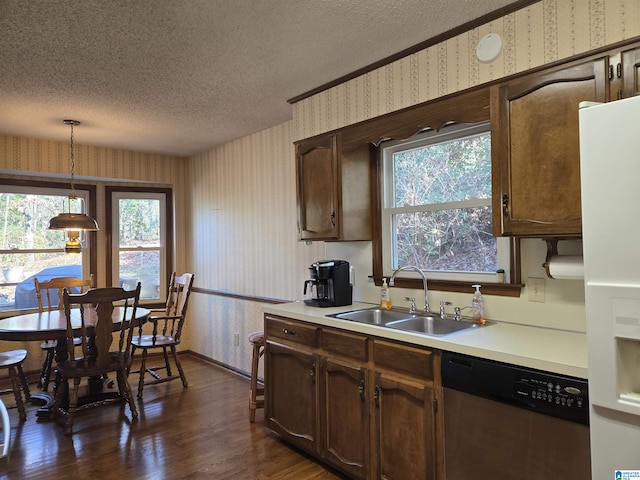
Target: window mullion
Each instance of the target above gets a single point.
(476, 202)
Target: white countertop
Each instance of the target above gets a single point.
(556, 351)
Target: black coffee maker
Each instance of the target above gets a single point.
(330, 284)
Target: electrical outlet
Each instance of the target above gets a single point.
(536, 289)
(236, 339)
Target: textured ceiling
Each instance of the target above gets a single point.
(181, 76)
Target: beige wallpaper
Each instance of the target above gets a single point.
(47, 157)
(243, 197)
(544, 32)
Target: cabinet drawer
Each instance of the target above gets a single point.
(413, 361)
(344, 343)
(291, 330)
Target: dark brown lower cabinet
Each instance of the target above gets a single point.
(291, 400)
(405, 433)
(345, 417)
(364, 405)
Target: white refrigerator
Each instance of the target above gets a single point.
(610, 176)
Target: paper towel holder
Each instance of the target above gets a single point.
(552, 251)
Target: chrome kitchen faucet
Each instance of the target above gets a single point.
(424, 282)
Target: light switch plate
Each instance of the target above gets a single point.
(536, 289)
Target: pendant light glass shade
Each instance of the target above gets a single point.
(74, 223)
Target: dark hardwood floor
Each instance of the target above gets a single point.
(202, 431)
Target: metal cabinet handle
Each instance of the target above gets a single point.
(286, 331)
(361, 390)
(312, 372)
(376, 395)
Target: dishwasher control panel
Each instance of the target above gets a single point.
(559, 395)
(544, 392)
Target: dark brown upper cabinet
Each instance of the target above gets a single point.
(536, 148)
(334, 190)
(629, 71)
(535, 140)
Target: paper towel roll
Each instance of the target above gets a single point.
(568, 267)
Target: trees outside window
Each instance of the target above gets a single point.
(141, 233)
(436, 201)
(28, 248)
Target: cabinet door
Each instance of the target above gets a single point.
(291, 394)
(631, 72)
(317, 188)
(405, 429)
(535, 149)
(344, 420)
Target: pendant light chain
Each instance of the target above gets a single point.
(73, 161)
(74, 224)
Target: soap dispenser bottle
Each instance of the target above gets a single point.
(477, 306)
(385, 300)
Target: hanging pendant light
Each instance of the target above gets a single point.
(75, 224)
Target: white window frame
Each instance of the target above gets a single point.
(161, 197)
(389, 260)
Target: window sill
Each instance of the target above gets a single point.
(497, 289)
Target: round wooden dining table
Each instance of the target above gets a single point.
(53, 326)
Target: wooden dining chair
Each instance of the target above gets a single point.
(105, 347)
(12, 362)
(167, 330)
(49, 296)
(5, 447)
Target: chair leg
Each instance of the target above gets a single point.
(60, 389)
(167, 364)
(179, 365)
(45, 373)
(133, 354)
(15, 385)
(125, 391)
(253, 393)
(25, 384)
(73, 404)
(143, 369)
(56, 381)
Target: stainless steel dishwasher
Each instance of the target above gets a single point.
(509, 422)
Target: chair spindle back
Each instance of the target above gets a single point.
(171, 322)
(53, 288)
(96, 322)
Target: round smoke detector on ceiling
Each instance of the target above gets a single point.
(489, 47)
